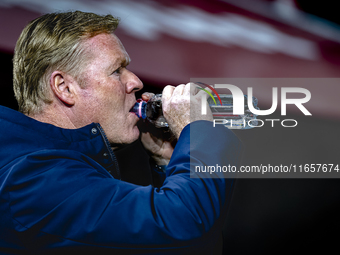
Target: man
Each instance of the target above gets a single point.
(60, 186)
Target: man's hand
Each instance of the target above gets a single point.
(161, 150)
(182, 105)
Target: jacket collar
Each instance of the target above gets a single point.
(89, 140)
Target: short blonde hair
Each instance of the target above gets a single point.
(52, 42)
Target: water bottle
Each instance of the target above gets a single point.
(151, 110)
(222, 114)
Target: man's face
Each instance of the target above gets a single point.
(109, 89)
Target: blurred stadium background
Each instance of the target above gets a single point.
(170, 42)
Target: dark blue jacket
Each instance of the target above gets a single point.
(57, 195)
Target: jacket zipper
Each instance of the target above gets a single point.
(112, 155)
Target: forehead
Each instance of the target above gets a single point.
(106, 47)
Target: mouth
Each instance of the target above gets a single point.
(136, 109)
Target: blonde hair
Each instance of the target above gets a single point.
(52, 42)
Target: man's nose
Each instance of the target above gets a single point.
(133, 83)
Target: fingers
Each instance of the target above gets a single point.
(167, 92)
(182, 89)
(147, 95)
(182, 105)
(187, 89)
(170, 92)
(178, 91)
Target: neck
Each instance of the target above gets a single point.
(60, 116)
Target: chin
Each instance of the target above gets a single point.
(135, 134)
(123, 135)
(131, 137)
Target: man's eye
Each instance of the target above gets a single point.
(117, 71)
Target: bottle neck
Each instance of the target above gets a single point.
(139, 109)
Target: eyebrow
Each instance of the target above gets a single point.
(123, 61)
(126, 61)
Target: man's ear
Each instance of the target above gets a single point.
(62, 87)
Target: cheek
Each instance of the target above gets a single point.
(116, 98)
(90, 106)
(106, 95)
(90, 100)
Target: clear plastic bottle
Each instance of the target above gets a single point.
(151, 110)
(222, 114)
